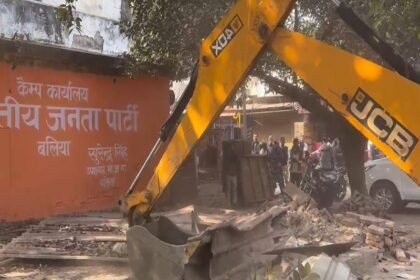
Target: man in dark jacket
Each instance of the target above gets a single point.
(275, 162)
(296, 158)
(231, 169)
(284, 157)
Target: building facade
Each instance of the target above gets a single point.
(37, 22)
(73, 129)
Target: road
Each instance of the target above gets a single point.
(409, 218)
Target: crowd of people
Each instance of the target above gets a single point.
(288, 165)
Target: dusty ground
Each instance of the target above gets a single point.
(409, 218)
(61, 270)
(385, 270)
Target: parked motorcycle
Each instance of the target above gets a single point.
(341, 184)
(322, 185)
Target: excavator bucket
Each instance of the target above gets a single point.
(159, 250)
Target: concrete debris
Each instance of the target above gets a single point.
(97, 236)
(400, 255)
(227, 244)
(323, 267)
(406, 276)
(408, 241)
(376, 230)
(349, 222)
(363, 204)
(120, 249)
(298, 197)
(360, 260)
(8, 231)
(334, 249)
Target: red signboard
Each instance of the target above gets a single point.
(71, 142)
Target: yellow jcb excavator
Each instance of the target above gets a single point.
(380, 103)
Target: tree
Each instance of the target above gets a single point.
(166, 35)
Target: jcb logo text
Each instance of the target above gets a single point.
(226, 36)
(388, 130)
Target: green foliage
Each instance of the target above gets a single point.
(396, 21)
(66, 14)
(166, 34)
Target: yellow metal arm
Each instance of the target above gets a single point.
(380, 103)
(225, 59)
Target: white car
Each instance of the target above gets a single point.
(390, 186)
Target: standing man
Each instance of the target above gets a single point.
(231, 171)
(284, 157)
(325, 155)
(274, 161)
(255, 148)
(339, 162)
(295, 164)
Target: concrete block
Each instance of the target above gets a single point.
(370, 220)
(349, 222)
(388, 242)
(400, 255)
(376, 230)
(374, 237)
(360, 260)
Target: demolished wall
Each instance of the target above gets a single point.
(71, 141)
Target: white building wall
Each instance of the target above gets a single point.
(110, 9)
(37, 21)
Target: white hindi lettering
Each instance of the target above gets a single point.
(68, 92)
(100, 154)
(52, 147)
(26, 88)
(123, 168)
(108, 182)
(99, 170)
(86, 118)
(123, 120)
(13, 115)
(120, 152)
(117, 168)
(59, 117)
(14, 112)
(96, 170)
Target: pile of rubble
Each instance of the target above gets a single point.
(305, 229)
(95, 237)
(362, 204)
(8, 231)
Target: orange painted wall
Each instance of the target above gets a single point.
(104, 128)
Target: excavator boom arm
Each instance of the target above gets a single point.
(379, 103)
(226, 56)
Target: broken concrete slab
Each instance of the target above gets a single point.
(404, 275)
(349, 222)
(400, 255)
(376, 230)
(314, 250)
(297, 196)
(374, 237)
(324, 267)
(360, 260)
